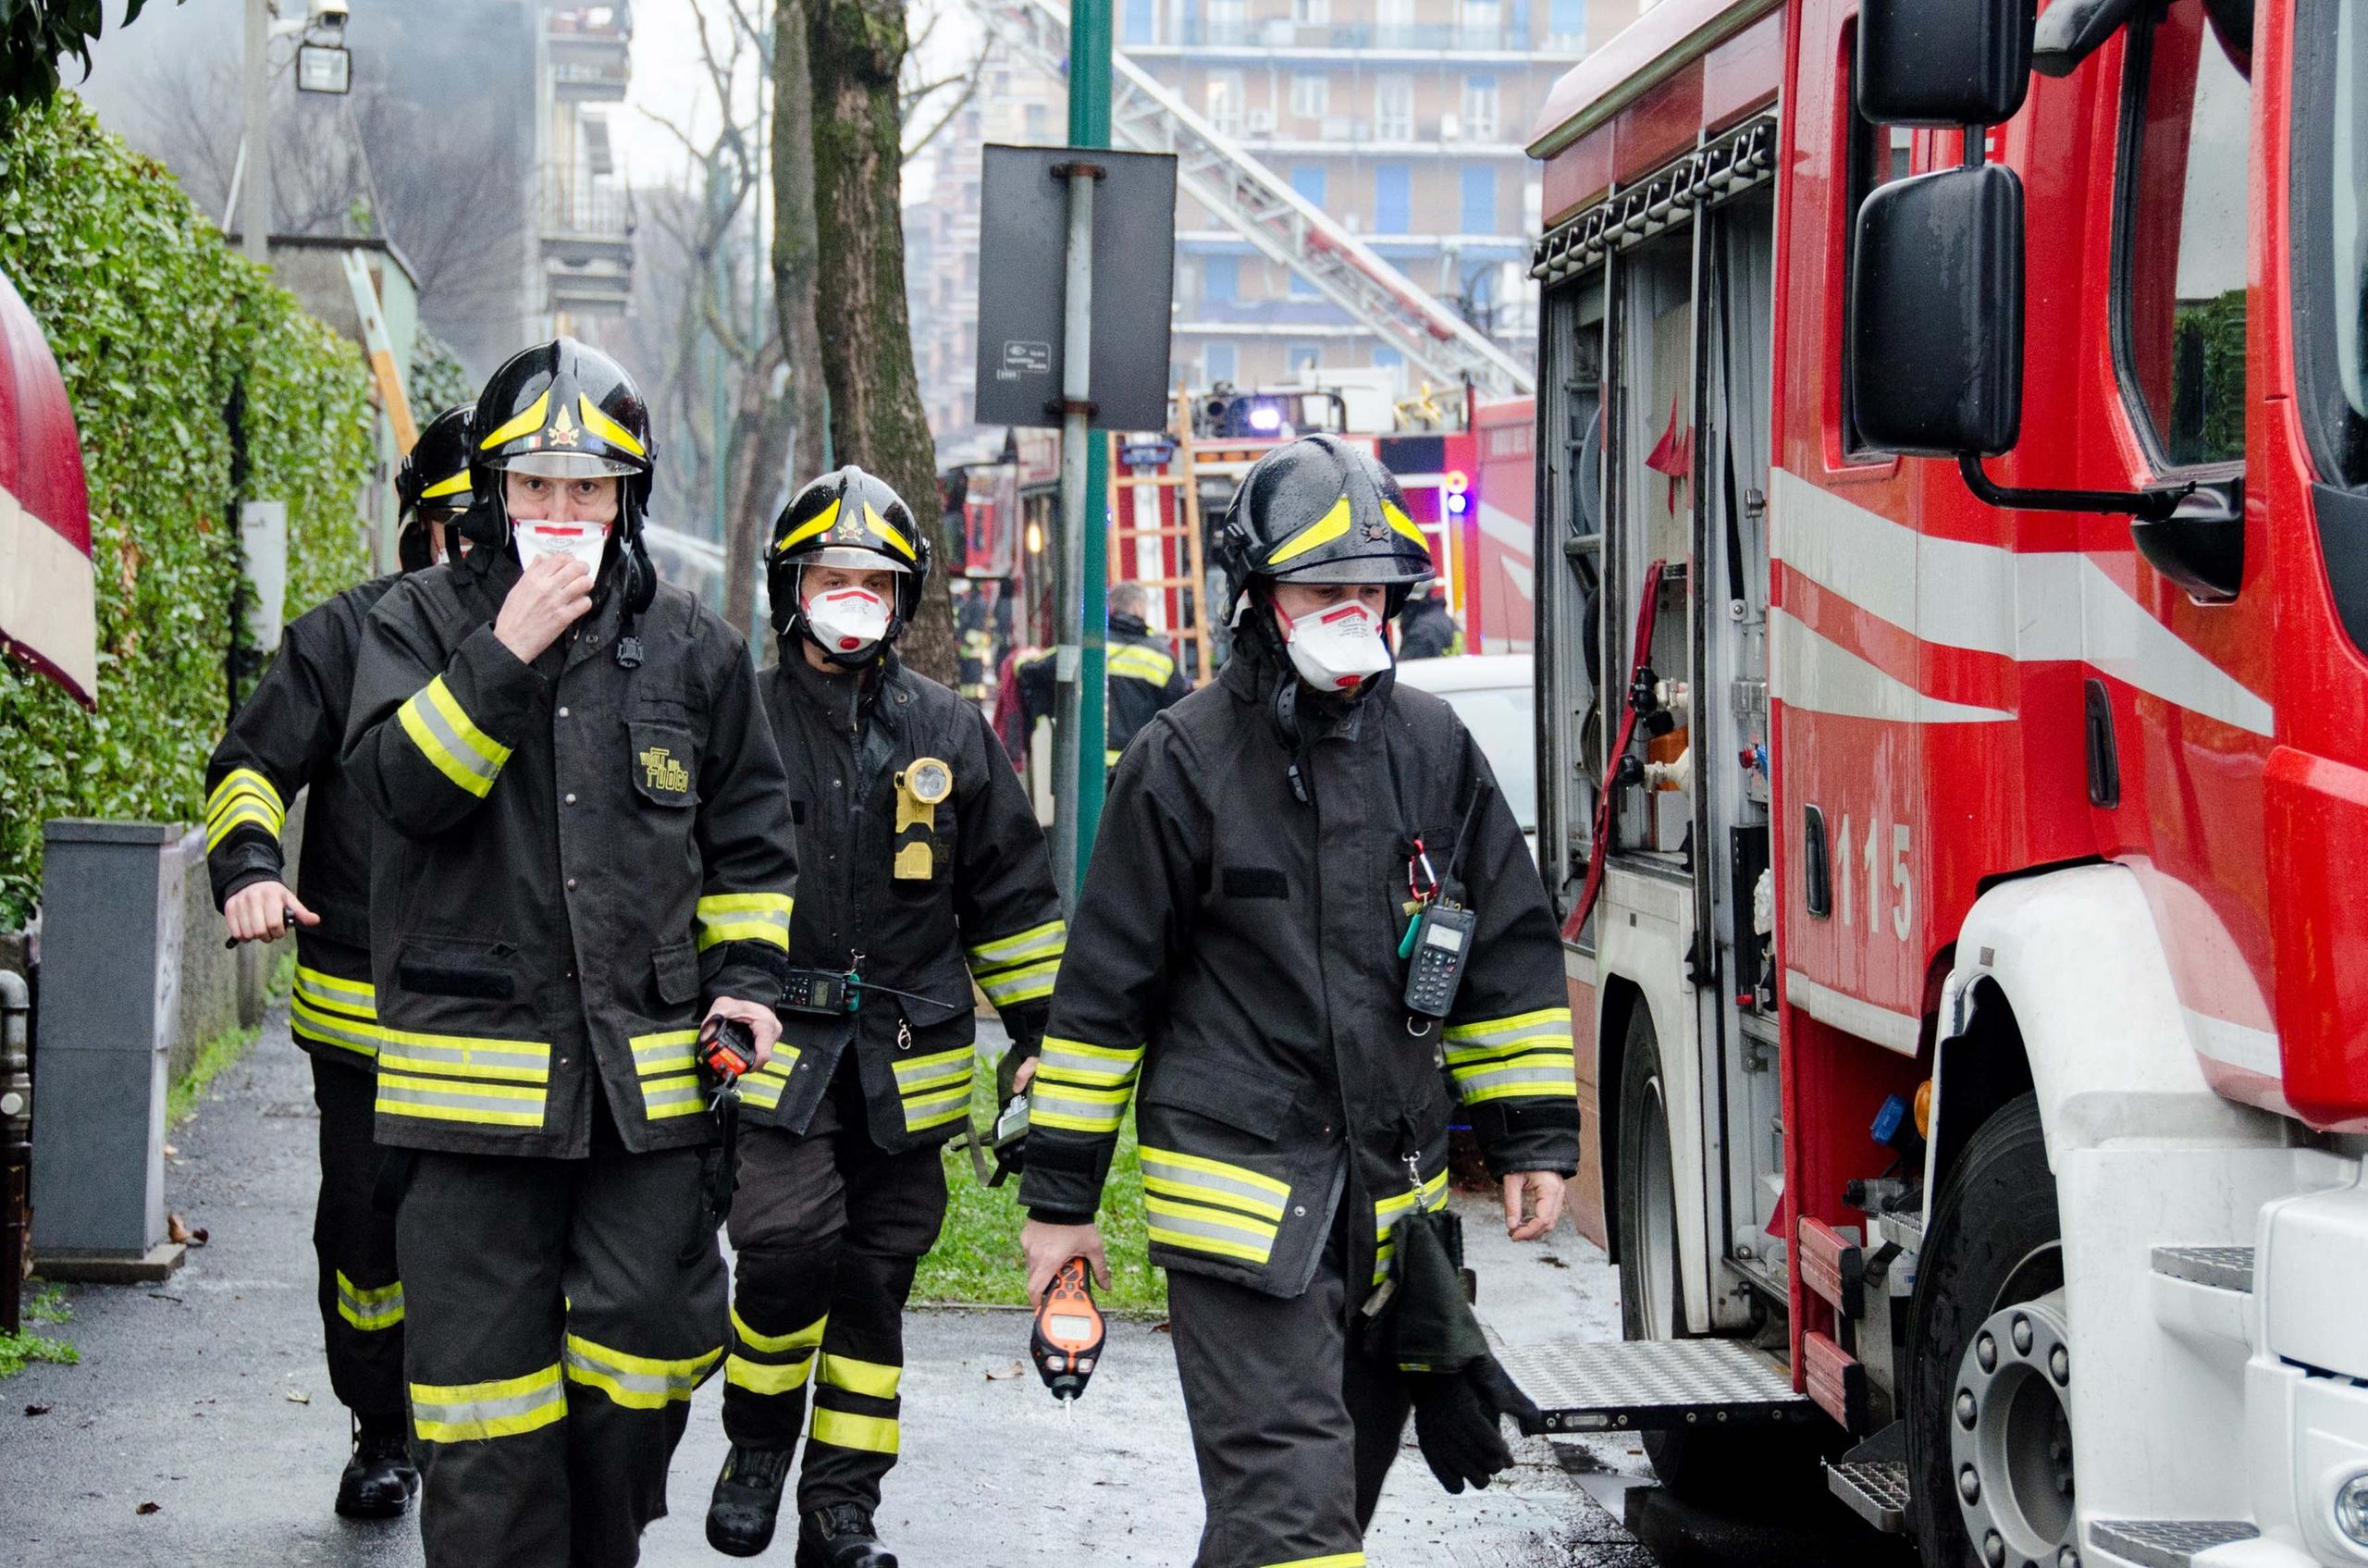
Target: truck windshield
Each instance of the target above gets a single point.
(2347, 197)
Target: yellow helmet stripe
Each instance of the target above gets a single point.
(608, 429)
(458, 484)
(818, 523)
(880, 527)
(525, 424)
(1404, 524)
(1323, 531)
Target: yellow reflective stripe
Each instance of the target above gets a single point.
(244, 811)
(1553, 1077)
(880, 525)
(1075, 1110)
(608, 429)
(333, 991)
(872, 1434)
(465, 1056)
(818, 523)
(875, 1378)
(804, 1339)
(762, 1378)
(464, 1413)
(669, 1050)
(1023, 984)
(1141, 663)
(1336, 1560)
(1197, 1229)
(525, 424)
(663, 1097)
(1405, 525)
(1323, 531)
(370, 1310)
(1035, 941)
(920, 1115)
(1498, 1031)
(308, 1022)
(449, 1099)
(930, 1072)
(1386, 1210)
(745, 917)
(450, 740)
(1183, 1165)
(636, 1382)
(245, 784)
(1079, 1059)
(458, 484)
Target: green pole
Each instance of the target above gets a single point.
(1090, 23)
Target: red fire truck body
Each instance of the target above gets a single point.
(1974, 1013)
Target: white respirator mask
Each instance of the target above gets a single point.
(1337, 648)
(849, 622)
(581, 541)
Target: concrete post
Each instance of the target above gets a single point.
(15, 1150)
(111, 954)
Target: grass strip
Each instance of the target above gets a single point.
(220, 1053)
(19, 1350)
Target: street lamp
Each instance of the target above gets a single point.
(323, 65)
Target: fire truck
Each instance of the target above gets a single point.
(1952, 596)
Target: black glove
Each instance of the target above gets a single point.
(1428, 1331)
(1008, 1066)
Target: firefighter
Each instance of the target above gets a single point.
(1427, 630)
(1142, 675)
(285, 737)
(1264, 847)
(581, 855)
(922, 854)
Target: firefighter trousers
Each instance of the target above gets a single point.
(826, 1230)
(1294, 1428)
(353, 1241)
(556, 1333)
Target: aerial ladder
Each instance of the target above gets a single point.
(1225, 178)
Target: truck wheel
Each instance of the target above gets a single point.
(1719, 1468)
(1988, 1433)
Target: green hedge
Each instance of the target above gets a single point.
(154, 321)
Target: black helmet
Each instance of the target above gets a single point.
(849, 519)
(433, 478)
(571, 412)
(1319, 510)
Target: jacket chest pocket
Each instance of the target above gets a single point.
(663, 761)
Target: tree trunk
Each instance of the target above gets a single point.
(794, 242)
(857, 49)
(760, 426)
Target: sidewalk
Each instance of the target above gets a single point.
(207, 1397)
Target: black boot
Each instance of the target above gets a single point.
(379, 1480)
(748, 1500)
(840, 1536)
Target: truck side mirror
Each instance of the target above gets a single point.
(1935, 354)
(1943, 62)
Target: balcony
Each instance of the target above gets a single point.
(1425, 38)
(590, 50)
(586, 221)
(599, 289)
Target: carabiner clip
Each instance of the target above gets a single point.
(1427, 888)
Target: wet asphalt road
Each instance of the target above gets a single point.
(206, 1397)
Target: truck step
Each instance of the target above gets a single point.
(1872, 1479)
(2169, 1543)
(2223, 1269)
(1655, 1384)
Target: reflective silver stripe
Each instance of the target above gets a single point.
(636, 1382)
(927, 1073)
(1204, 1231)
(1077, 1110)
(1553, 1074)
(339, 994)
(1021, 984)
(474, 1412)
(400, 1096)
(1546, 1021)
(1233, 1188)
(671, 1096)
(1388, 1211)
(327, 1028)
(923, 1111)
(1051, 937)
(444, 746)
(369, 1310)
(518, 1063)
(1093, 1066)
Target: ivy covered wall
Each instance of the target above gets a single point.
(154, 321)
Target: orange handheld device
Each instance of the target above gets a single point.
(1066, 1338)
(726, 1047)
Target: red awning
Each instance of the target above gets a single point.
(48, 596)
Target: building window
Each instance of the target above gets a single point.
(1220, 280)
(1223, 100)
(1479, 199)
(1228, 21)
(1311, 95)
(1480, 107)
(1566, 26)
(1216, 363)
(1394, 17)
(1482, 21)
(1308, 180)
(1305, 359)
(1138, 21)
(1393, 107)
(1312, 13)
(1393, 198)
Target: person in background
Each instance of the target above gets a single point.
(1142, 676)
(286, 737)
(1425, 630)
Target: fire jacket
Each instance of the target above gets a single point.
(573, 859)
(1143, 679)
(287, 736)
(903, 898)
(1235, 973)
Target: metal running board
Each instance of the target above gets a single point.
(1872, 1479)
(2223, 1269)
(2167, 1543)
(1656, 1385)
(1247, 196)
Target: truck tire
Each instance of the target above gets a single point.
(1995, 1240)
(1716, 1468)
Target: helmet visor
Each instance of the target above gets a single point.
(564, 464)
(854, 558)
(1391, 569)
